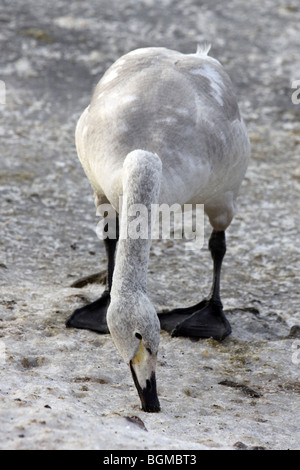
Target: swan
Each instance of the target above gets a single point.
(161, 127)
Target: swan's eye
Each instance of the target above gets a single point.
(138, 336)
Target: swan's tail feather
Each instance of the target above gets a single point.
(203, 49)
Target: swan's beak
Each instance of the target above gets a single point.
(142, 368)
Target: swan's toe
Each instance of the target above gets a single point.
(209, 322)
(91, 316)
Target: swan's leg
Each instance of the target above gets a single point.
(206, 319)
(93, 315)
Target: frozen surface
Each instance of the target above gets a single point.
(63, 389)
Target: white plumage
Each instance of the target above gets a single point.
(162, 127)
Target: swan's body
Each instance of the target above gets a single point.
(176, 113)
(180, 107)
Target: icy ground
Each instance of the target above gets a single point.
(69, 389)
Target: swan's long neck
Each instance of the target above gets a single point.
(141, 184)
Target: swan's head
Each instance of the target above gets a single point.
(135, 329)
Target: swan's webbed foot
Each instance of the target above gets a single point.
(92, 316)
(169, 320)
(204, 320)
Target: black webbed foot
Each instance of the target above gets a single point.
(204, 320)
(92, 316)
(169, 320)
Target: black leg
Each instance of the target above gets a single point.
(206, 319)
(110, 248)
(93, 315)
(217, 247)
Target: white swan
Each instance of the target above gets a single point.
(162, 127)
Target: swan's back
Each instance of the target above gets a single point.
(181, 107)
